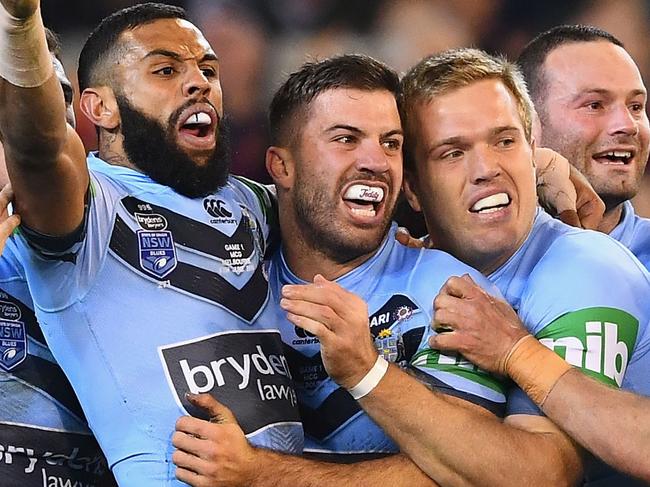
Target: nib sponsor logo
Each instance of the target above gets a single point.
(603, 353)
(601, 348)
(245, 371)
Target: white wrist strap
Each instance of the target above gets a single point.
(24, 58)
(370, 380)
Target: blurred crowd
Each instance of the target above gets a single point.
(259, 41)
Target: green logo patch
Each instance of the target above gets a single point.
(597, 340)
(457, 365)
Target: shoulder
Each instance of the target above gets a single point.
(583, 269)
(431, 268)
(580, 255)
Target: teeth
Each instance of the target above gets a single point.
(363, 212)
(488, 204)
(618, 153)
(200, 118)
(362, 192)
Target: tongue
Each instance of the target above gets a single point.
(191, 130)
(362, 192)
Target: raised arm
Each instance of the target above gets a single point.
(45, 157)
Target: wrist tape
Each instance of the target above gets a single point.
(24, 58)
(370, 380)
(535, 368)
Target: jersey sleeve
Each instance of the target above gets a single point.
(69, 266)
(589, 304)
(454, 375)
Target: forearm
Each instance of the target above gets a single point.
(32, 122)
(596, 415)
(278, 470)
(461, 445)
(32, 118)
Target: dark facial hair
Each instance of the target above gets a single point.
(154, 151)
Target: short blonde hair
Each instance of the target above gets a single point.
(457, 68)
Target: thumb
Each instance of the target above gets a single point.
(217, 412)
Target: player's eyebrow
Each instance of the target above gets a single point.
(177, 57)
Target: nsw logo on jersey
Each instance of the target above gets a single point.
(157, 252)
(13, 337)
(245, 370)
(155, 243)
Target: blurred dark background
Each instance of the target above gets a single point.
(260, 41)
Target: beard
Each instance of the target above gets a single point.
(315, 212)
(155, 152)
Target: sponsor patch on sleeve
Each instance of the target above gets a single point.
(597, 340)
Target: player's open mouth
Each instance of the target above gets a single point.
(614, 157)
(363, 200)
(491, 204)
(197, 126)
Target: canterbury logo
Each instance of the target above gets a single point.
(216, 208)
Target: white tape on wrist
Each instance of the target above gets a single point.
(370, 380)
(24, 58)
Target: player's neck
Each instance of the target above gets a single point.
(611, 218)
(306, 262)
(306, 258)
(112, 151)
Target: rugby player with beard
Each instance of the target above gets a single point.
(145, 259)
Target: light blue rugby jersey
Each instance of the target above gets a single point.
(165, 295)
(40, 417)
(399, 284)
(634, 233)
(585, 296)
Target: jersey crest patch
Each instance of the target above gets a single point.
(384, 326)
(157, 252)
(13, 337)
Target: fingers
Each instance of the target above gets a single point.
(570, 217)
(6, 195)
(321, 291)
(322, 306)
(193, 470)
(188, 443)
(445, 342)
(461, 287)
(217, 412)
(404, 237)
(591, 213)
(310, 325)
(187, 464)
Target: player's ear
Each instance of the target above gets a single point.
(100, 106)
(410, 190)
(280, 166)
